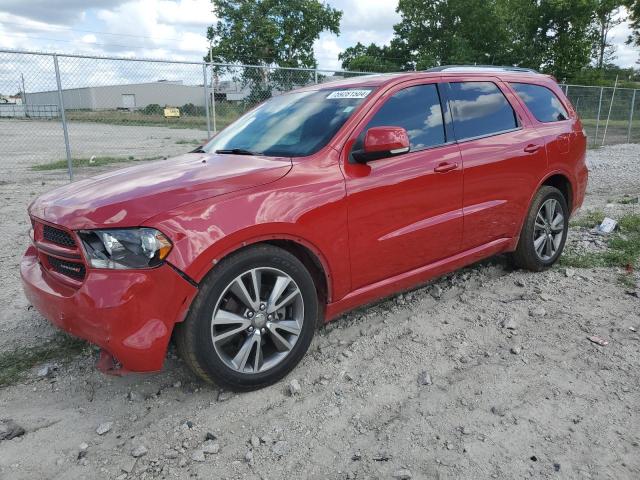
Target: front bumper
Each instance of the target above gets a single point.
(128, 313)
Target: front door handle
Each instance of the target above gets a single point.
(532, 148)
(445, 167)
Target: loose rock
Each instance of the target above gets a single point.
(210, 447)
(280, 448)
(402, 474)
(104, 428)
(10, 429)
(424, 378)
(138, 451)
(198, 456)
(255, 441)
(294, 387)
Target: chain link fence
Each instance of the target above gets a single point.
(609, 116)
(68, 111)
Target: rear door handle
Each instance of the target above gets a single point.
(532, 148)
(445, 167)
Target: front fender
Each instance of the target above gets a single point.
(307, 206)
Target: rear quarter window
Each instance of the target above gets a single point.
(480, 109)
(542, 102)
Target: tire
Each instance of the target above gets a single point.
(240, 323)
(527, 254)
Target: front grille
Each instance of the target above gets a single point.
(70, 269)
(55, 235)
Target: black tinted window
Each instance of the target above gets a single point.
(480, 108)
(417, 110)
(542, 102)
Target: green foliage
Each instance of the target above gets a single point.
(634, 21)
(88, 162)
(623, 247)
(15, 363)
(559, 37)
(589, 220)
(269, 32)
(372, 58)
(192, 110)
(152, 109)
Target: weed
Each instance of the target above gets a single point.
(589, 220)
(89, 162)
(184, 141)
(15, 363)
(623, 246)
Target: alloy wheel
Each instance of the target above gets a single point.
(548, 230)
(257, 320)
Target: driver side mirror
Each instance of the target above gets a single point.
(382, 142)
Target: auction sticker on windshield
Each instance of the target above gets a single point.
(348, 94)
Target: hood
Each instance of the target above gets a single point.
(129, 196)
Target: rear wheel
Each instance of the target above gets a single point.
(252, 321)
(544, 231)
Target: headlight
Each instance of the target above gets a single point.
(125, 248)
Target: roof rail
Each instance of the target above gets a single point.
(480, 68)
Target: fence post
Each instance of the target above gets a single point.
(315, 74)
(63, 117)
(595, 138)
(633, 102)
(213, 100)
(206, 99)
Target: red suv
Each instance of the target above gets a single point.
(315, 202)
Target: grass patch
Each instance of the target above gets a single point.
(87, 162)
(184, 141)
(626, 200)
(589, 220)
(15, 363)
(623, 246)
(226, 112)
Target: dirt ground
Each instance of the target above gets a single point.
(485, 373)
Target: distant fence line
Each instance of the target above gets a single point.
(116, 91)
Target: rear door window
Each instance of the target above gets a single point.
(417, 110)
(542, 102)
(480, 109)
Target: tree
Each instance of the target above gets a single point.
(451, 32)
(555, 36)
(373, 58)
(270, 33)
(634, 19)
(566, 36)
(605, 20)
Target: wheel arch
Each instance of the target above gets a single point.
(557, 179)
(562, 182)
(310, 256)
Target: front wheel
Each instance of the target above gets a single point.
(252, 321)
(544, 231)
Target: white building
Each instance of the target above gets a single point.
(131, 96)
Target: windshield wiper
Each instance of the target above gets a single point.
(236, 151)
(198, 150)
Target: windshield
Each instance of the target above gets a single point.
(291, 125)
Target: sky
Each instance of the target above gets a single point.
(175, 29)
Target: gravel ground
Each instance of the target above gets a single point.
(485, 373)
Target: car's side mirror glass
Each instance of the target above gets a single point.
(382, 142)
